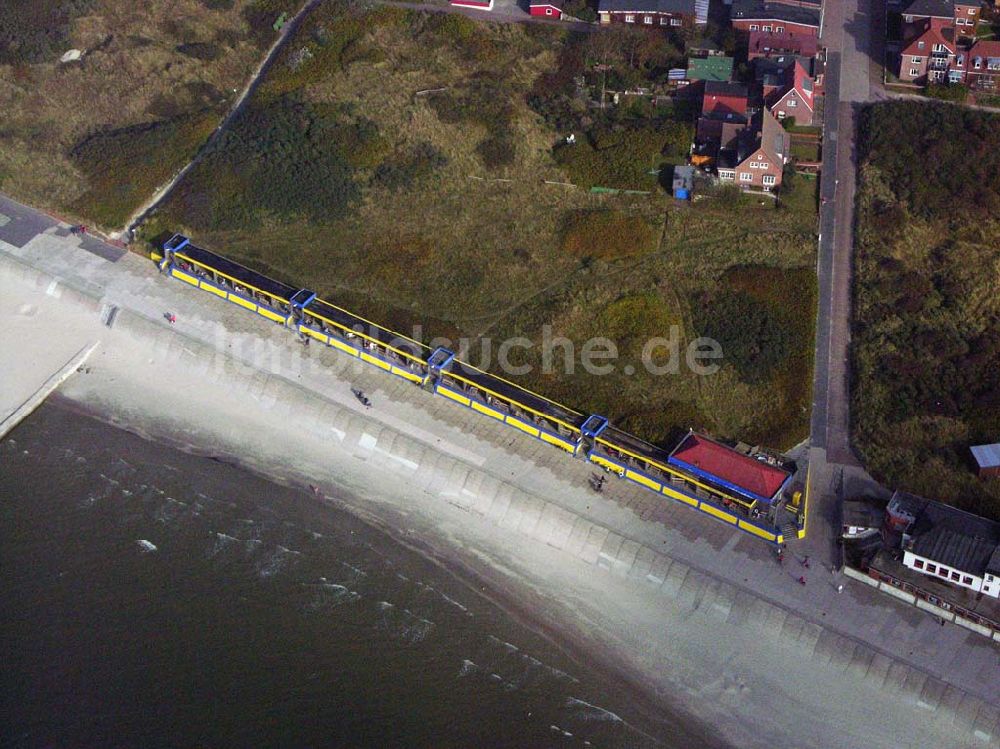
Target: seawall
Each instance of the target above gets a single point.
(750, 667)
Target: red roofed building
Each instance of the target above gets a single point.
(930, 55)
(797, 98)
(476, 4)
(770, 44)
(546, 8)
(982, 65)
(724, 99)
(729, 469)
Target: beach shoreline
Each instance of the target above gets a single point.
(647, 711)
(518, 515)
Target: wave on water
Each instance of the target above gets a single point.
(276, 562)
(147, 547)
(329, 595)
(586, 711)
(509, 647)
(468, 667)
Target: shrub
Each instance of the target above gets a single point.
(497, 151)
(402, 170)
(752, 339)
(282, 158)
(260, 16)
(124, 166)
(606, 235)
(925, 345)
(963, 146)
(621, 159)
(34, 31)
(947, 92)
(199, 50)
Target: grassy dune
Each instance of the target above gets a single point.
(95, 137)
(927, 318)
(398, 162)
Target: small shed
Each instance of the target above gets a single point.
(683, 184)
(477, 4)
(861, 518)
(987, 459)
(546, 8)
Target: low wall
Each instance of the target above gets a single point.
(992, 633)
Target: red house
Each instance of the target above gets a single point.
(475, 4)
(546, 8)
(724, 99)
(800, 17)
(771, 44)
(797, 98)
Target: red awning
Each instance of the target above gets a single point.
(734, 467)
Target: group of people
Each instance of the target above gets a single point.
(804, 561)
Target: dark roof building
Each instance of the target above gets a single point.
(930, 9)
(778, 16)
(947, 543)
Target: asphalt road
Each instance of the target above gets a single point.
(852, 35)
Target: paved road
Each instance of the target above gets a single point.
(853, 38)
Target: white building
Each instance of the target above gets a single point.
(948, 544)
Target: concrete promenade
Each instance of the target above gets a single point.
(17, 375)
(659, 559)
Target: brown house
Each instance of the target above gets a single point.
(982, 66)
(963, 15)
(931, 54)
(800, 17)
(758, 157)
(796, 98)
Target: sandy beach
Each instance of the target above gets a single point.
(504, 512)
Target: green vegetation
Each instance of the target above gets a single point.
(805, 150)
(93, 138)
(33, 31)
(988, 100)
(955, 92)
(626, 158)
(385, 163)
(607, 235)
(125, 166)
(927, 338)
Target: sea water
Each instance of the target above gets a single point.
(149, 597)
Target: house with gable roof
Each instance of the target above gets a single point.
(931, 54)
(758, 156)
(796, 97)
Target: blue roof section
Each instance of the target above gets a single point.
(987, 456)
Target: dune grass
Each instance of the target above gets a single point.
(93, 138)
(448, 218)
(926, 381)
